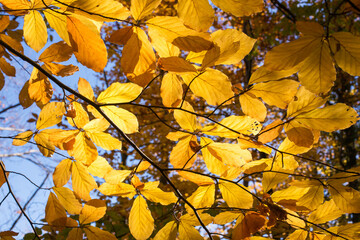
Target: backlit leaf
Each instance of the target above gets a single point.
(68, 200)
(240, 8)
(236, 195)
(92, 211)
(57, 52)
(119, 93)
(82, 182)
(196, 14)
(185, 119)
(168, 232)
(94, 233)
(252, 106)
(171, 91)
(122, 118)
(55, 213)
(84, 150)
(62, 173)
(159, 196)
(141, 223)
(326, 212)
(142, 8)
(35, 31)
(204, 196)
(100, 167)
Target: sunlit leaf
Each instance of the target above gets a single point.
(141, 223)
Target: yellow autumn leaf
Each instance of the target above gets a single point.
(119, 189)
(35, 31)
(22, 138)
(188, 232)
(176, 65)
(39, 89)
(57, 21)
(278, 93)
(68, 200)
(183, 154)
(7, 68)
(326, 212)
(138, 58)
(271, 131)
(236, 195)
(168, 232)
(163, 47)
(141, 223)
(62, 173)
(16, 4)
(105, 10)
(84, 150)
(299, 134)
(159, 196)
(92, 211)
(262, 74)
(119, 93)
(207, 84)
(196, 14)
(330, 118)
(345, 47)
(186, 119)
(191, 219)
(141, 8)
(2, 84)
(252, 106)
(46, 147)
(100, 167)
(226, 217)
(57, 52)
(55, 213)
(310, 28)
(61, 70)
(240, 8)
(346, 198)
(40, 3)
(171, 90)
(50, 115)
(288, 55)
(94, 233)
(196, 178)
(213, 164)
(240, 124)
(85, 89)
(75, 234)
(117, 176)
(175, 32)
(82, 181)
(2, 175)
(62, 139)
(317, 72)
(96, 125)
(87, 45)
(203, 197)
(81, 117)
(122, 118)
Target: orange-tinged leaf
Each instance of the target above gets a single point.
(63, 139)
(171, 90)
(57, 21)
(203, 197)
(138, 58)
(141, 223)
(87, 45)
(62, 173)
(40, 89)
(7, 68)
(196, 178)
(271, 131)
(2, 177)
(105, 10)
(24, 97)
(263, 74)
(183, 154)
(4, 22)
(168, 232)
(252, 106)
(186, 119)
(122, 118)
(191, 219)
(75, 234)
(84, 150)
(68, 200)
(81, 117)
(141, 8)
(92, 211)
(288, 55)
(214, 164)
(82, 182)
(57, 52)
(326, 212)
(346, 198)
(22, 138)
(310, 28)
(12, 42)
(120, 93)
(175, 32)
(55, 213)
(2, 82)
(35, 31)
(176, 65)
(85, 89)
(94, 233)
(163, 47)
(96, 125)
(196, 14)
(121, 36)
(236, 195)
(240, 124)
(207, 85)
(317, 72)
(61, 70)
(100, 167)
(251, 223)
(240, 8)
(16, 4)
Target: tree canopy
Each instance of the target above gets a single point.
(221, 119)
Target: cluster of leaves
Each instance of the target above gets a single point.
(215, 156)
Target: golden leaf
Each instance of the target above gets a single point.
(196, 14)
(94, 233)
(176, 65)
(141, 223)
(252, 106)
(185, 119)
(92, 211)
(62, 173)
(61, 70)
(120, 93)
(57, 52)
(68, 200)
(57, 21)
(240, 8)
(87, 45)
(159, 196)
(168, 232)
(171, 90)
(22, 138)
(263, 74)
(85, 89)
(82, 182)
(141, 8)
(55, 213)
(188, 232)
(35, 31)
(271, 131)
(326, 212)
(117, 176)
(346, 198)
(122, 118)
(84, 150)
(203, 197)
(183, 154)
(100, 167)
(105, 140)
(236, 195)
(45, 146)
(119, 189)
